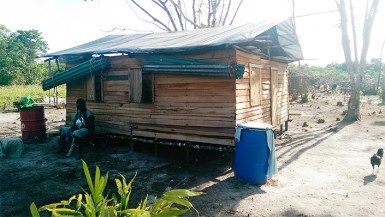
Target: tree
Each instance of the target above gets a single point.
(5, 73)
(18, 54)
(177, 15)
(356, 67)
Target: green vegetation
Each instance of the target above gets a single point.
(98, 203)
(335, 74)
(18, 53)
(14, 93)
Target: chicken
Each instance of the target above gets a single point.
(376, 159)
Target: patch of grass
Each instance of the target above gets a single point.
(10, 94)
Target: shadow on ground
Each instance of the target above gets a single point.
(299, 143)
(369, 178)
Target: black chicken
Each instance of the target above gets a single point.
(376, 159)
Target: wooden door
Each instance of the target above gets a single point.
(274, 97)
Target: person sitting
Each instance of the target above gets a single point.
(82, 127)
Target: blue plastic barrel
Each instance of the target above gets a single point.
(252, 153)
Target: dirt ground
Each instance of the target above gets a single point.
(324, 168)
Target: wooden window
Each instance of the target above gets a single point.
(140, 86)
(147, 88)
(255, 84)
(94, 87)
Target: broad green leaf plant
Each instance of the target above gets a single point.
(96, 203)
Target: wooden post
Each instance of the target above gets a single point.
(156, 147)
(49, 74)
(132, 144)
(56, 95)
(187, 154)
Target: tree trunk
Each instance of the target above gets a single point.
(354, 105)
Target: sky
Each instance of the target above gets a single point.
(68, 23)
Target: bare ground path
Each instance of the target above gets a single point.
(324, 169)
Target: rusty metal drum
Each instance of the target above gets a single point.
(33, 128)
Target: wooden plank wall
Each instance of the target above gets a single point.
(75, 90)
(186, 108)
(200, 108)
(262, 113)
(118, 90)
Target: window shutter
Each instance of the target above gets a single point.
(255, 85)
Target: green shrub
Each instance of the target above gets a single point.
(96, 203)
(14, 93)
(305, 98)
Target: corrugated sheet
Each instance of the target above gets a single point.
(195, 39)
(187, 66)
(93, 65)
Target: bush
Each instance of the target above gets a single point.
(305, 98)
(96, 203)
(14, 93)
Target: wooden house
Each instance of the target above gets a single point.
(191, 86)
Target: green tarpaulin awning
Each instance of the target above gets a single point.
(96, 64)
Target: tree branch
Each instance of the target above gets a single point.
(152, 17)
(353, 23)
(164, 7)
(183, 15)
(222, 9)
(227, 13)
(194, 16)
(209, 14)
(235, 14)
(214, 13)
(369, 19)
(345, 37)
(179, 16)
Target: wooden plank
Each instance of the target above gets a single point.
(123, 120)
(242, 93)
(196, 104)
(206, 92)
(243, 81)
(116, 88)
(245, 86)
(115, 83)
(255, 86)
(117, 93)
(177, 79)
(195, 110)
(193, 99)
(250, 56)
(217, 132)
(265, 106)
(123, 62)
(197, 86)
(192, 117)
(115, 98)
(116, 72)
(197, 123)
(241, 99)
(224, 55)
(180, 137)
(258, 113)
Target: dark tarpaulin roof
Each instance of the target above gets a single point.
(284, 45)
